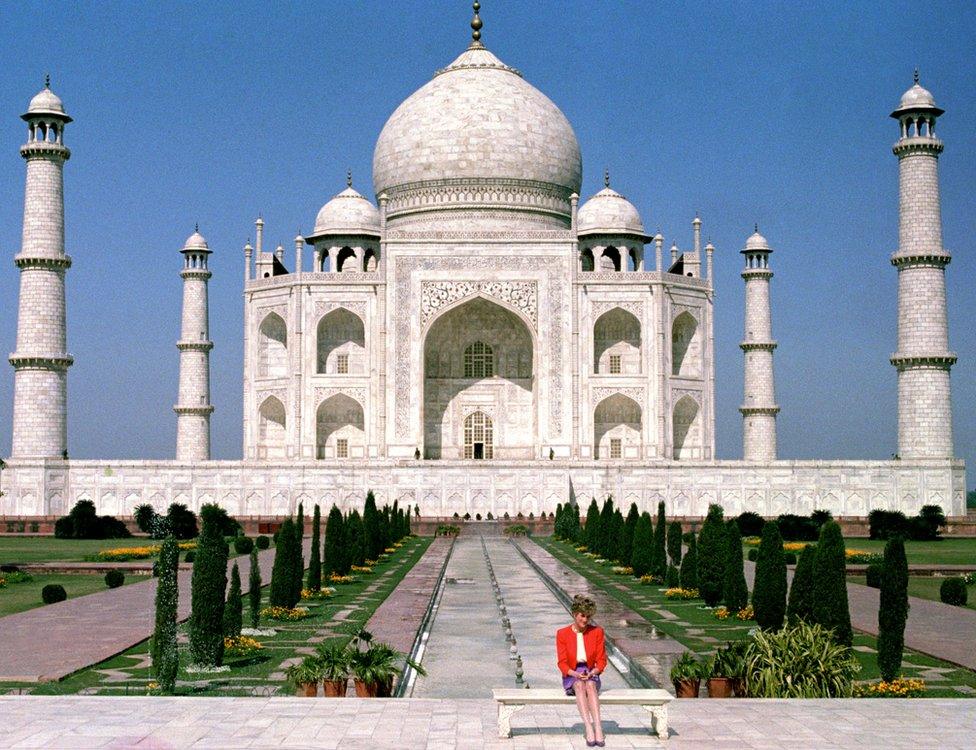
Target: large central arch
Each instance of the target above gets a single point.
(479, 357)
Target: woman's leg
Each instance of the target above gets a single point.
(582, 703)
(593, 705)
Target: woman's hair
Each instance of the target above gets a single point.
(584, 605)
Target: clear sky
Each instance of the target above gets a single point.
(775, 113)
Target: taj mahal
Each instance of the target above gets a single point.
(472, 335)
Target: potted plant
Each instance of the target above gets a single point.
(686, 676)
(735, 656)
(374, 667)
(334, 662)
(720, 674)
(304, 676)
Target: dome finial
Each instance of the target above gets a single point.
(47, 80)
(916, 74)
(348, 178)
(606, 178)
(196, 227)
(476, 24)
(756, 226)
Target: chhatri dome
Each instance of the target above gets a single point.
(917, 99)
(478, 136)
(608, 212)
(46, 102)
(349, 212)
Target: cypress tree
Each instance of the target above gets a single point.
(735, 594)
(769, 588)
(659, 558)
(627, 537)
(606, 529)
(371, 526)
(299, 550)
(591, 532)
(384, 532)
(352, 528)
(830, 607)
(315, 558)
(164, 650)
(893, 610)
(234, 607)
(575, 532)
(712, 551)
(799, 608)
(689, 565)
(395, 521)
(643, 546)
(333, 553)
(674, 543)
(282, 572)
(616, 537)
(208, 591)
(254, 589)
(557, 527)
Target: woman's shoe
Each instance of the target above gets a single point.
(591, 743)
(599, 743)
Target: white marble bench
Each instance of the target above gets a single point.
(511, 701)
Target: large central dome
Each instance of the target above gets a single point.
(478, 136)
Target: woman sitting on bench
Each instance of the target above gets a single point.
(582, 658)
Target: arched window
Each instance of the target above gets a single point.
(339, 428)
(346, 260)
(272, 347)
(686, 426)
(479, 361)
(617, 428)
(339, 334)
(478, 436)
(271, 428)
(616, 343)
(685, 346)
(586, 259)
(370, 260)
(610, 259)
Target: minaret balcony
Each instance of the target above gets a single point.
(41, 361)
(200, 346)
(45, 149)
(58, 263)
(919, 144)
(931, 259)
(934, 361)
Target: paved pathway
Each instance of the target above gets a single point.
(467, 652)
(933, 628)
(56, 640)
(388, 724)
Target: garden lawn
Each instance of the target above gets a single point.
(32, 549)
(702, 625)
(18, 597)
(337, 618)
(925, 587)
(949, 551)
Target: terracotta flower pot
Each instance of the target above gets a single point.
(384, 689)
(334, 688)
(719, 687)
(686, 688)
(366, 689)
(739, 687)
(308, 689)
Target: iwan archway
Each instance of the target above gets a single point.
(479, 384)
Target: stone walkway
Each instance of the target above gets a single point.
(388, 724)
(53, 641)
(933, 628)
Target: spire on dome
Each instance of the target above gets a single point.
(476, 25)
(916, 75)
(47, 80)
(606, 178)
(348, 178)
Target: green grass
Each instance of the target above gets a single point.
(32, 549)
(19, 597)
(645, 599)
(951, 551)
(252, 673)
(924, 587)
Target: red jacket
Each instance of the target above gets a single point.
(596, 653)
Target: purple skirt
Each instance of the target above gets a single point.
(569, 681)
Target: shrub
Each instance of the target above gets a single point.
(689, 565)
(752, 554)
(243, 545)
(874, 573)
(797, 528)
(640, 559)
(884, 524)
(712, 552)
(234, 607)
(802, 661)
(830, 607)
(928, 524)
(615, 537)
(893, 610)
(145, 515)
(789, 558)
(64, 528)
(735, 592)
(262, 542)
(183, 521)
(626, 552)
(114, 579)
(467, 516)
(674, 543)
(769, 589)
(53, 593)
(489, 517)
(163, 646)
(673, 577)
(820, 517)
(371, 528)
(352, 529)
(282, 572)
(591, 531)
(750, 524)
(605, 539)
(517, 529)
(953, 591)
(800, 606)
(254, 590)
(84, 523)
(208, 591)
(477, 516)
(334, 557)
(315, 558)
(659, 558)
(190, 556)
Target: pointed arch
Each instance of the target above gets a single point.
(610, 259)
(617, 428)
(340, 428)
(686, 349)
(617, 343)
(345, 260)
(340, 333)
(686, 426)
(271, 428)
(586, 259)
(272, 347)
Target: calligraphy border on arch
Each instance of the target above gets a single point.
(637, 394)
(436, 295)
(558, 275)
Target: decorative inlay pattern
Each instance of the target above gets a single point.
(637, 394)
(357, 394)
(678, 393)
(634, 307)
(278, 393)
(676, 310)
(326, 306)
(522, 295)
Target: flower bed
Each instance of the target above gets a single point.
(680, 593)
(124, 554)
(649, 580)
(361, 568)
(15, 576)
(241, 645)
(323, 593)
(623, 570)
(284, 613)
(900, 687)
(744, 614)
(336, 578)
(860, 557)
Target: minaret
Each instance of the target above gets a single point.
(41, 360)
(923, 358)
(194, 409)
(759, 407)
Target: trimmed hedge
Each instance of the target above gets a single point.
(163, 646)
(874, 574)
(263, 542)
(893, 610)
(712, 553)
(642, 556)
(114, 579)
(243, 545)
(208, 591)
(735, 592)
(689, 563)
(830, 607)
(769, 589)
(800, 605)
(752, 554)
(953, 591)
(750, 524)
(53, 593)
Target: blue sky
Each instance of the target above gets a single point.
(773, 113)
